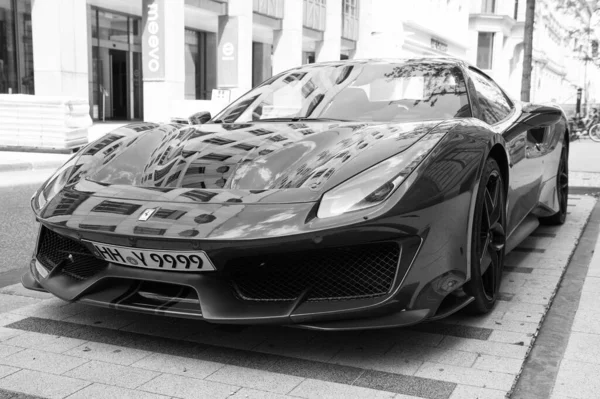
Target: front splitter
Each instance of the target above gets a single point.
(402, 318)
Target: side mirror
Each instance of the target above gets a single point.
(541, 115)
(199, 118)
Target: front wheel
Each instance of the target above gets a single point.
(487, 240)
(595, 132)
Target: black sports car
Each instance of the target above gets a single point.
(341, 195)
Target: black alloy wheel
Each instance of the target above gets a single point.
(562, 191)
(487, 241)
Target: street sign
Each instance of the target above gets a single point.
(228, 51)
(227, 59)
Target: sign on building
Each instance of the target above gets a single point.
(227, 52)
(439, 45)
(153, 39)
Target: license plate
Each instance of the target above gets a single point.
(184, 261)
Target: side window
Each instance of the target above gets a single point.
(492, 101)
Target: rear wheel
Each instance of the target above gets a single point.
(595, 132)
(487, 240)
(562, 191)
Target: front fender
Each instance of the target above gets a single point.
(442, 200)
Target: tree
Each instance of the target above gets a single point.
(527, 50)
(582, 27)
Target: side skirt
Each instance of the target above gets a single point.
(527, 226)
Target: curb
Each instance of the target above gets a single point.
(24, 166)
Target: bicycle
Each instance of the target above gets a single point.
(579, 128)
(594, 132)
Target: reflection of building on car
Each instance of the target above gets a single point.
(342, 195)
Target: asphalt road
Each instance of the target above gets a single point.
(18, 227)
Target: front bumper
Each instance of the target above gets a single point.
(209, 296)
(384, 317)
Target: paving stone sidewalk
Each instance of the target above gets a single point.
(580, 367)
(52, 349)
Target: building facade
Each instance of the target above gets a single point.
(158, 59)
(496, 31)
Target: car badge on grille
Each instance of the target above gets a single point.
(147, 214)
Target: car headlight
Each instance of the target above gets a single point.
(376, 184)
(53, 185)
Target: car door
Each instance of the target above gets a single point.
(522, 144)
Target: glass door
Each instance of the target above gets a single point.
(116, 77)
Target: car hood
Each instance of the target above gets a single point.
(251, 163)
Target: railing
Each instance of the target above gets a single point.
(314, 14)
(350, 19)
(270, 8)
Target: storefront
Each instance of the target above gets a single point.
(16, 49)
(115, 76)
(159, 59)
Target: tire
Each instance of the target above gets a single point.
(487, 240)
(594, 132)
(562, 191)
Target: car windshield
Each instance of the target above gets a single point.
(377, 92)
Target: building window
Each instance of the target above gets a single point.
(314, 14)
(351, 8)
(270, 8)
(16, 48)
(350, 20)
(485, 47)
(488, 6)
(200, 64)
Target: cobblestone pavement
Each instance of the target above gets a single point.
(52, 349)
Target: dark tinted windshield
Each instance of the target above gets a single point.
(378, 92)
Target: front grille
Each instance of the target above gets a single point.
(76, 260)
(360, 271)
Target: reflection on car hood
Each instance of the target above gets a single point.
(302, 159)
